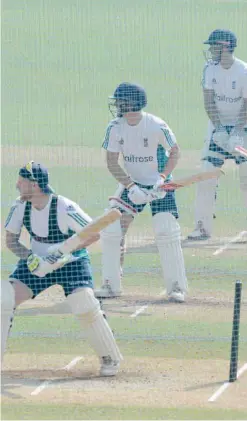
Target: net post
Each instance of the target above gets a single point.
(235, 332)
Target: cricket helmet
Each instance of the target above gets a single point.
(127, 97)
(222, 37)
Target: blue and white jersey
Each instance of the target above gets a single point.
(144, 147)
(229, 86)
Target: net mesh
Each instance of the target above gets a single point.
(61, 61)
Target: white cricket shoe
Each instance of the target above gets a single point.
(176, 297)
(199, 233)
(109, 367)
(106, 292)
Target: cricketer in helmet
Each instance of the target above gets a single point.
(222, 42)
(128, 97)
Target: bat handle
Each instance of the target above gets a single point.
(70, 245)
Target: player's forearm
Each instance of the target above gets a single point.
(210, 107)
(18, 249)
(119, 174)
(172, 161)
(213, 114)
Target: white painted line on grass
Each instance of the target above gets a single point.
(139, 311)
(47, 383)
(233, 240)
(225, 385)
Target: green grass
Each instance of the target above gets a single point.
(82, 412)
(178, 349)
(157, 324)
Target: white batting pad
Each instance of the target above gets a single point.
(243, 180)
(87, 309)
(205, 199)
(167, 235)
(111, 250)
(7, 312)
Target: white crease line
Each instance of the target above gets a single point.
(72, 363)
(143, 308)
(47, 383)
(41, 387)
(233, 240)
(225, 385)
(139, 311)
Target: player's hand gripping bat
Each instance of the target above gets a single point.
(60, 254)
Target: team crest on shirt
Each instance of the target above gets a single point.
(145, 142)
(234, 84)
(213, 80)
(121, 141)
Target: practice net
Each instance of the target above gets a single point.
(61, 61)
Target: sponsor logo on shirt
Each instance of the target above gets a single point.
(145, 141)
(121, 141)
(214, 80)
(227, 98)
(133, 158)
(234, 84)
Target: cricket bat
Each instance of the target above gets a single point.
(93, 227)
(242, 151)
(195, 178)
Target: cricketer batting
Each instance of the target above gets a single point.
(225, 100)
(50, 220)
(150, 153)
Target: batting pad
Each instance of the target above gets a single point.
(111, 238)
(243, 180)
(88, 312)
(7, 312)
(167, 235)
(205, 199)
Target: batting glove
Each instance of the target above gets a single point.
(41, 266)
(137, 195)
(159, 183)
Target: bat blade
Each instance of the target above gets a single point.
(195, 178)
(93, 227)
(100, 223)
(242, 151)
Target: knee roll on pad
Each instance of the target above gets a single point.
(84, 304)
(166, 227)
(89, 314)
